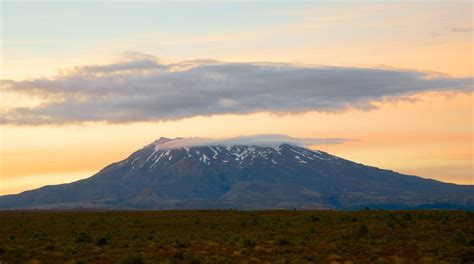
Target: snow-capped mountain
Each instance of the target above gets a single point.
(242, 173)
(219, 153)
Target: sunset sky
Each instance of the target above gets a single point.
(84, 84)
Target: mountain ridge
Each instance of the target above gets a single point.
(283, 176)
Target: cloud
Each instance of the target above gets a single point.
(141, 88)
(264, 140)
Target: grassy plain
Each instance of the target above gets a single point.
(229, 236)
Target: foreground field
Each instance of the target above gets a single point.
(235, 237)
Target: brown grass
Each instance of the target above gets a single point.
(236, 237)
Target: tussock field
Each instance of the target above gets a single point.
(229, 236)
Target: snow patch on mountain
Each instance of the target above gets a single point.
(239, 150)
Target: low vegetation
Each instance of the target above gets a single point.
(229, 236)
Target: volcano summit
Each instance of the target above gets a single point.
(263, 172)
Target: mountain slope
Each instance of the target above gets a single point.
(167, 174)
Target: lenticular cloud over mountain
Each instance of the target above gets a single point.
(269, 140)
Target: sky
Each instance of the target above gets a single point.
(85, 83)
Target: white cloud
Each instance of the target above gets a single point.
(140, 88)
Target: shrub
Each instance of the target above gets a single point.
(195, 260)
(255, 220)
(470, 214)
(41, 236)
(18, 252)
(83, 237)
(250, 242)
(70, 249)
(344, 218)
(180, 244)
(134, 259)
(283, 241)
(93, 223)
(444, 220)
(137, 221)
(407, 217)
(459, 238)
(315, 218)
(225, 238)
(101, 241)
(179, 255)
(49, 246)
(391, 217)
(363, 230)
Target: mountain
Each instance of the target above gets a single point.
(198, 174)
